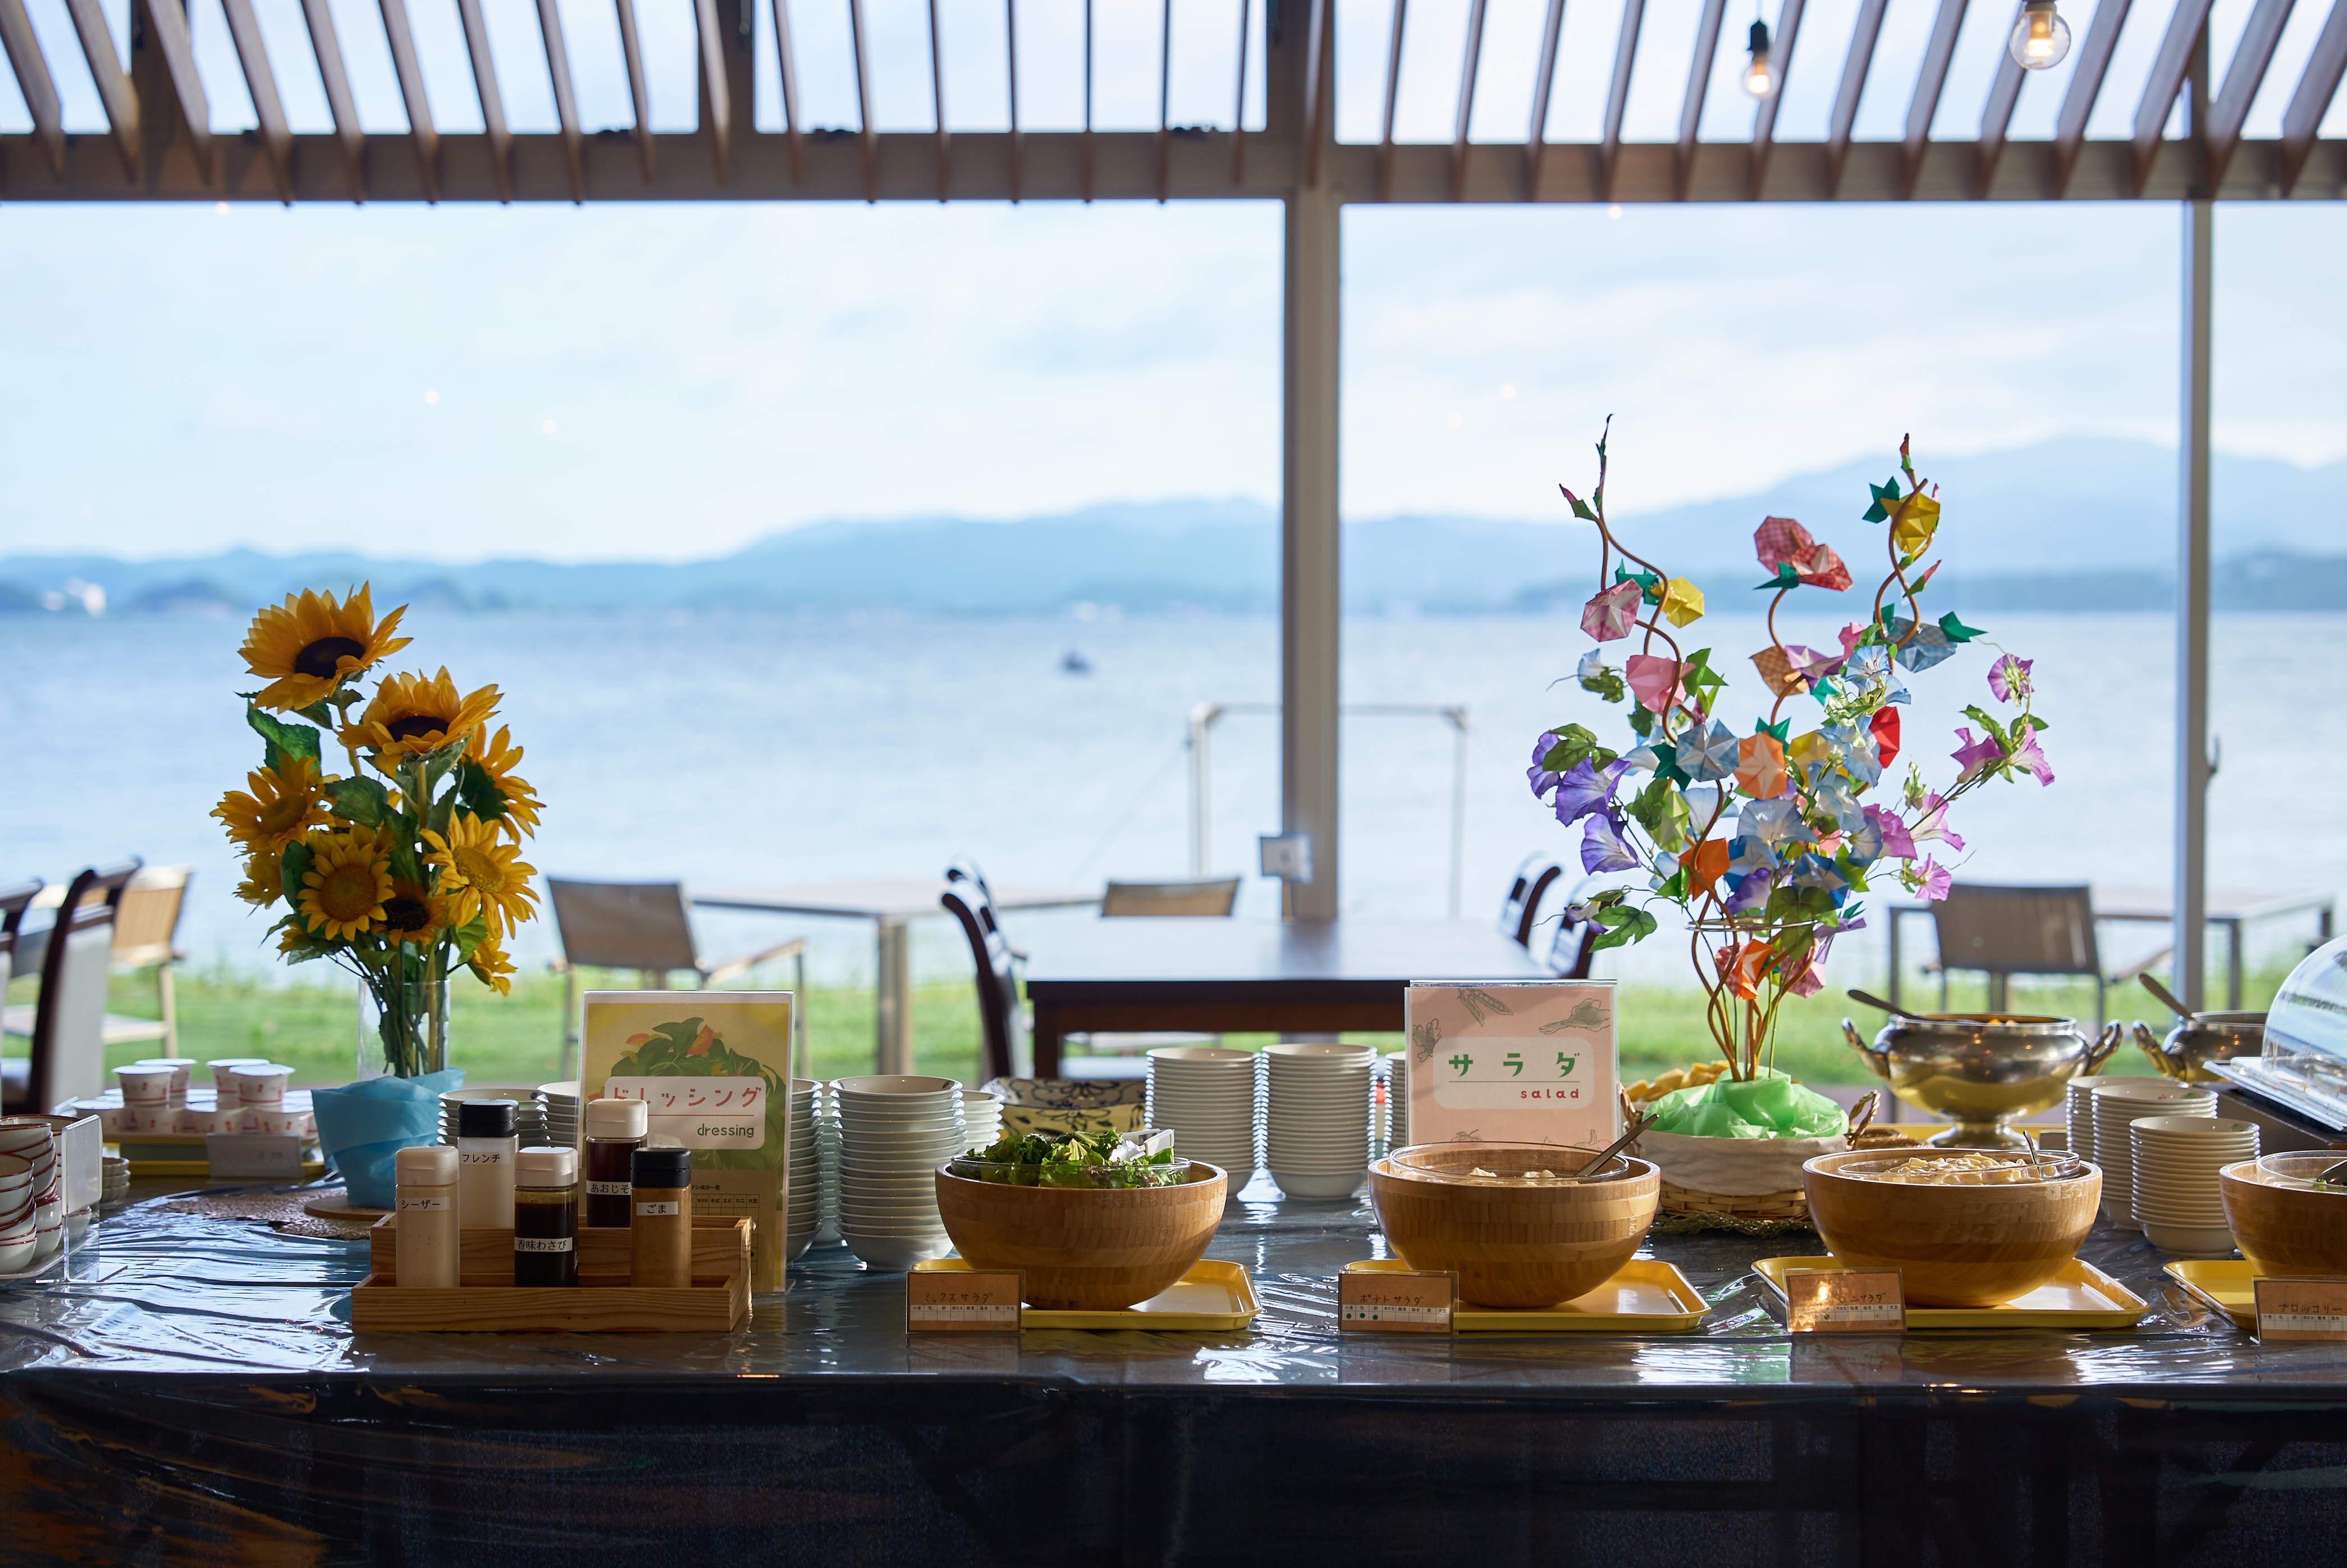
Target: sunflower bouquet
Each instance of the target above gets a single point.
(404, 867)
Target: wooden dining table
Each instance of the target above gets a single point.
(1228, 977)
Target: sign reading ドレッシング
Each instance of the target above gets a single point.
(1845, 1301)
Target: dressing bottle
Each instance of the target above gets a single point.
(660, 1246)
(546, 1217)
(485, 1163)
(615, 1131)
(431, 1248)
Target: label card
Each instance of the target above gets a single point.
(1845, 1301)
(255, 1156)
(700, 1113)
(963, 1301)
(1508, 1063)
(1395, 1303)
(2300, 1308)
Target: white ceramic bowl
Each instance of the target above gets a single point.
(1310, 1186)
(896, 1252)
(2189, 1239)
(16, 1250)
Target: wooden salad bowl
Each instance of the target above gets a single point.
(2284, 1230)
(1956, 1247)
(1528, 1247)
(1087, 1249)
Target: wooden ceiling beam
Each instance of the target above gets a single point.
(2252, 57)
(1706, 49)
(2185, 26)
(423, 134)
(1543, 84)
(2317, 85)
(485, 88)
(32, 79)
(2086, 86)
(1618, 91)
(1862, 36)
(1929, 82)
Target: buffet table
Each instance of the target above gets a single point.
(190, 1391)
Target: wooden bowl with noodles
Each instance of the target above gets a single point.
(1090, 1249)
(1517, 1238)
(1956, 1245)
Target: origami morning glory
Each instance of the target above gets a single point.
(1611, 612)
(1707, 754)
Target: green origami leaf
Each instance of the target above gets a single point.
(1662, 811)
(1956, 630)
(1786, 578)
(1698, 674)
(1675, 887)
(1782, 729)
(1580, 507)
(1886, 500)
(1642, 723)
(1666, 765)
(1606, 683)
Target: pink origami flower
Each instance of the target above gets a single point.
(1812, 977)
(2026, 752)
(1972, 755)
(1654, 680)
(1611, 612)
(1932, 880)
(1931, 825)
(1781, 541)
(1897, 841)
(2009, 679)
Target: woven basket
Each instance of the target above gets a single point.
(1685, 1209)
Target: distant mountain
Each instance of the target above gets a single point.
(2078, 524)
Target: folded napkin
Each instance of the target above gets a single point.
(363, 1126)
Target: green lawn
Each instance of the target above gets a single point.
(313, 1027)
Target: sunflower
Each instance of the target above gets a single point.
(492, 968)
(310, 645)
(264, 878)
(480, 874)
(286, 802)
(413, 912)
(347, 884)
(498, 758)
(411, 715)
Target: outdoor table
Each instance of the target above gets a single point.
(191, 1392)
(1224, 976)
(891, 904)
(2231, 910)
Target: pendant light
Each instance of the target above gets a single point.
(2041, 39)
(1760, 75)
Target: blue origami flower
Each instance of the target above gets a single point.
(1705, 754)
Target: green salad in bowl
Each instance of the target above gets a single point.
(1100, 1160)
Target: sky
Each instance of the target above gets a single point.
(673, 382)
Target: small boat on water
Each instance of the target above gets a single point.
(1073, 662)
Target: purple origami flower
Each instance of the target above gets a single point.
(1611, 611)
(1543, 779)
(1585, 789)
(1602, 848)
(2026, 752)
(1972, 755)
(1897, 841)
(1933, 823)
(1931, 879)
(2009, 679)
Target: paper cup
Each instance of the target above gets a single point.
(176, 1066)
(263, 1085)
(222, 1066)
(143, 1087)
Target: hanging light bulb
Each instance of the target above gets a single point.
(1760, 75)
(2040, 38)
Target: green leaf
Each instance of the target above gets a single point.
(1662, 811)
(1573, 743)
(407, 862)
(297, 863)
(1606, 683)
(1956, 630)
(1786, 578)
(1642, 723)
(469, 937)
(1675, 887)
(363, 801)
(1982, 717)
(1580, 507)
(1886, 500)
(283, 740)
(320, 712)
(1782, 729)
(1623, 925)
(477, 793)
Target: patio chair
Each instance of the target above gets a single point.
(1000, 1014)
(14, 901)
(2007, 931)
(644, 927)
(67, 1055)
(1215, 898)
(1521, 908)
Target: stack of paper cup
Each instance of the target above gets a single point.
(147, 1104)
(261, 1101)
(223, 1084)
(981, 1118)
(1208, 1097)
(2117, 1107)
(1316, 1117)
(806, 1171)
(2177, 1200)
(894, 1133)
(2078, 1110)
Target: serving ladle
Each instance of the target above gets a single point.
(1869, 999)
(2167, 998)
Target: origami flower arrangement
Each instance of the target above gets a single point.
(1762, 839)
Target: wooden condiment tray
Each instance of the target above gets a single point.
(602, 1302)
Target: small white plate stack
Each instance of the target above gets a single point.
(806, 1171)
(1208, 1096)
(2117, 1107)
(1316, 1117)
(826, 1157)
(2078, 1110)
(557, 1108)
(1397, 1101)
(894, 1133)
(2177, 1200)
(982, 1119)
(529, 1115)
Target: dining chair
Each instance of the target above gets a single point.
(1216, 897)
(1531, 884)
(645, 927)
(68, 1056)
(2005, 931)
(1000, 1014)
(14, 900)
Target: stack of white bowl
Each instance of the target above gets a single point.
(1208, 1096)
(2177, 1200)
(2078, 1110)
(894, 1133)
(32, 1219)
(981, 1118)
(529, 1114)
(557, 1113)
(2117, 1107)
(806, 1171)
(1316, 1117)
(1397, 1101)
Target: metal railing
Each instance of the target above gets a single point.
(1206, 715)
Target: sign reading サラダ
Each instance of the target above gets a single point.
(1531, 1063)
(713, 1070)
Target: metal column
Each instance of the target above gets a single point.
(1309, 600)
(2191, 892)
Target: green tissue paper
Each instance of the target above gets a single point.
(1769, 1106)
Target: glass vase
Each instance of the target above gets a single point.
(402, 1027)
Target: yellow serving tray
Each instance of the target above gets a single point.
(1213, 1296)
(2222, 1284)
(2081, 1296)
(1648, 1296)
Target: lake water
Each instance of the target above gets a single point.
(721, 748)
